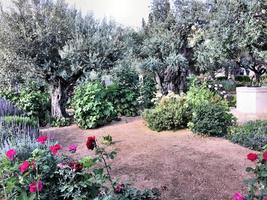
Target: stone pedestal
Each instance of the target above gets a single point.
(251, 100)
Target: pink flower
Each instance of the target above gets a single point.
(24, 166)
(119, 188)
(265, 198)
(238, 196)
(36, 187)
(252, 156)
(10, 154)
(73, 148)
(61, 166)
(55, 148)
(265, 155)
(41, 139)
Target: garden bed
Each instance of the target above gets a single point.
(183, 165)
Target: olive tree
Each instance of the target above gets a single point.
(58, 43)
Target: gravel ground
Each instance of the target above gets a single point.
(182, 165)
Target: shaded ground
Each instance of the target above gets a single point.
(182, 165)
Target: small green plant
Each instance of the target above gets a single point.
(211, 119)
(107, 140)
(92, 106)
(170, 114)
(252, 134)
(60, 122)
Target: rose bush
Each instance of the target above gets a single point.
(257, 185)
(49, 174)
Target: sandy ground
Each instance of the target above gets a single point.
(182, 165)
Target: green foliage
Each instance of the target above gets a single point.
(107, 140)
(147, 92)
(129, 193)
(170, 114)
(123, 99)
(17, 120)
(31, 100)
(125, 91)
(252, 134)
(211, 119)
(60, 122)
(199, 93)
(91, 105)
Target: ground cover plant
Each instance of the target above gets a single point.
(252, 134)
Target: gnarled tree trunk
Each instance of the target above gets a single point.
(58, 100)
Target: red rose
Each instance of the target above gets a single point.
(252, 156)
(24, 166)
(91, 142)
(55, 148)
(76, 166)
(10, 154)
(119, 188)
(36, 186)
(265, 155)
(41, 139)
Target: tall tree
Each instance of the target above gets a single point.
(236, 33)
(58, 43)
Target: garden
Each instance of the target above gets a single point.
(174, 110)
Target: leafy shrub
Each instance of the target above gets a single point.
(47, 174)
(242, 81)
(242, 78)
(199, 93)
(60, 122)
(252, 134)
(212, 119)
(92, 106)
(32, 101)
(147, 92)
(125, 90)
(123, 99)
(257, 182)
(228, 85)
(170, 114)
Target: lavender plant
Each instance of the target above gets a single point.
(16, 131)
(8, 109)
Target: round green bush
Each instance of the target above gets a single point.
(91, 105)
(172, 113)
(211, 119)
(252, 134)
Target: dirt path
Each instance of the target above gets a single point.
(184, 166)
